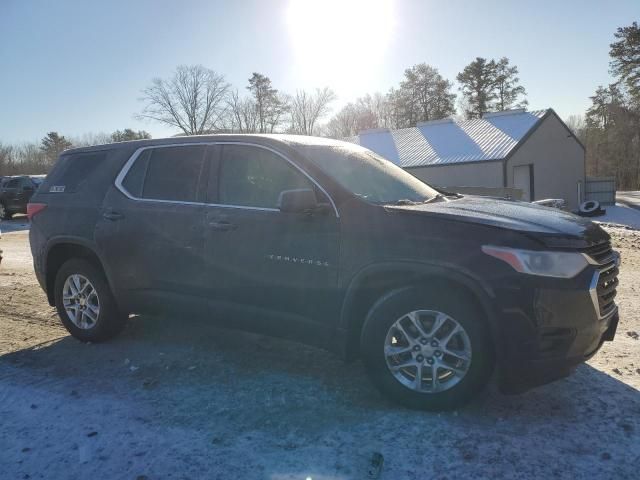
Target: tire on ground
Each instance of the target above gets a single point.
(460, 307)
(110, 320)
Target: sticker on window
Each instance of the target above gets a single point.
(56, 189)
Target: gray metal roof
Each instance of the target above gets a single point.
(447, 141)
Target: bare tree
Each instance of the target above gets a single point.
(242, 114)
(344, 123)
(194, 100)
(26, 158)
(379, 109)
(128, 134)
(307, 108)
(370, 111)
(577, 125)
(91, 138)
(6, 159)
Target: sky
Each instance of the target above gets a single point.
(79, 66)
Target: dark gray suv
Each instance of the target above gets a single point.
(15, 193)
(327, 243)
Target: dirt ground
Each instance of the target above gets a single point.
(175, 398)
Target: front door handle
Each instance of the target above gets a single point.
(113, 216)
(222, 226)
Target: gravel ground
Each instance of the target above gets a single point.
(177, 398)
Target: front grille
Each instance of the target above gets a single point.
(606, 262)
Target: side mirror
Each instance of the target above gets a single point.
(297, 201)
(27, 188)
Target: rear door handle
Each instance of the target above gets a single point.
(222, 226)
(113, 216)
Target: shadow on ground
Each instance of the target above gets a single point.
(305, 406)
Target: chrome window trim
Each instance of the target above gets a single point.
(129, 163)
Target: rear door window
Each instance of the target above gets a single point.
(167, 173)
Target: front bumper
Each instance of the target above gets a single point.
(525, 374)
(548, 328)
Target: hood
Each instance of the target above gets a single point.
(512, 215)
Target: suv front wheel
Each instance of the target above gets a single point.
(85, 303)
(427, 349)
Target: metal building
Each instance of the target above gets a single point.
(533, 152)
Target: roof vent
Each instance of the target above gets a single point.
(435, 122)
(515, 111)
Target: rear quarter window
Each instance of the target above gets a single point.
(72, 171)
(134, 181)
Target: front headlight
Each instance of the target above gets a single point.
(545, 264)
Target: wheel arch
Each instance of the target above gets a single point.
(370, 283)
(62, 249)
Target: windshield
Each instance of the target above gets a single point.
(368, 175)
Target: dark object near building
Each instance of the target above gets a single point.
(325, 242)
(15, 193)
(591, 208)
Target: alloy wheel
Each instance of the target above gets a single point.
(427, 351)
(81, 302)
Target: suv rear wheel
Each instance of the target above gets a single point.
(85, 303)
(426, 349)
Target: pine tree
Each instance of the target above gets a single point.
(269, 104)
(488, 86)
(424, 95)
(507, 86)
(625, 58)
(477, 83)
(53, 145)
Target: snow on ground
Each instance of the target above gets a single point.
(17, 224)
(621, 215)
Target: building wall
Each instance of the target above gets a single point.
(558, 162)
(479, 174)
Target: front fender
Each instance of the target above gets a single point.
(413, 272)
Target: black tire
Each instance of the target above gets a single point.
(4, 213)
(590, 208)
(110, 320)
(463, 309)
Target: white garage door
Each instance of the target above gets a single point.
(522, 180)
